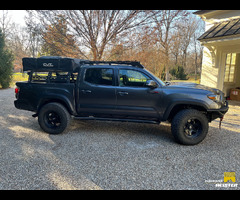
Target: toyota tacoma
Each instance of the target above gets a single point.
(60, 88)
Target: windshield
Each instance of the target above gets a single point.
(158, 79)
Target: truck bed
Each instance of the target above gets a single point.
(33, 95)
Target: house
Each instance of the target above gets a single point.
(221, 52)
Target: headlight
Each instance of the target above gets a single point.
(214, 97)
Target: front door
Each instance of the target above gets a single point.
(96, 91)
(133, 97)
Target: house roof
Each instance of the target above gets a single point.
(222, 29)
(201, 12)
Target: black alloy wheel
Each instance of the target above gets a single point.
(53, 118)
(189, 126)
(193, 128)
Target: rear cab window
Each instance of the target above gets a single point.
(99, 76)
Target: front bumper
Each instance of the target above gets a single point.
(218, 113)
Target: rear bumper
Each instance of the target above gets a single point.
(218, 113)
(23, 105)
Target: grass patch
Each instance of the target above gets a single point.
(187, 81)
(18, 77)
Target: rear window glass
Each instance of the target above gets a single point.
(99, 76)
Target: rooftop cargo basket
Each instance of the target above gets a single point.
(50, 63)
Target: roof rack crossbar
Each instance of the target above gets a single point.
(132, 63)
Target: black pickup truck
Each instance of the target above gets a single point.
(59, 88)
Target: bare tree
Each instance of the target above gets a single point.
(164, 25)
(34, 33)
(176, 46)
(95, 29)
(5, 22)
(158, 38)
(198, 49)
(187, 28)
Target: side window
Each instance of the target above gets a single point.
(99, 76)
(132, 78)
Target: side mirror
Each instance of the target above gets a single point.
(167, 83)
(151, 84)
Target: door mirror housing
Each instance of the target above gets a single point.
(167, 83)
(151, 84)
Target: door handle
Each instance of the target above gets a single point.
(122, 93)
(86, 91)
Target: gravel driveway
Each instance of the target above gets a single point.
(112, 155)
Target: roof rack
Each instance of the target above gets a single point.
(132, 63)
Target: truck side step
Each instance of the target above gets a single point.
(118, 119)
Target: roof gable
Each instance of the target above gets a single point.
(216, 15)
(202, 12)
(222, 29)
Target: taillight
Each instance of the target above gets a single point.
(17, 89)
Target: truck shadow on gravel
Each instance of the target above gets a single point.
(118, 129)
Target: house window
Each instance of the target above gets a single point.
(230, 67)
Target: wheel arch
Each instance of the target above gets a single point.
(174, 108)
(63, 102)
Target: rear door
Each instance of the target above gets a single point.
(96, 91)
(134, 98)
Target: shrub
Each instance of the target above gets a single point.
(178, 73)
(6, 63)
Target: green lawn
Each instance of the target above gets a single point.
(187, 81)
(18, 77)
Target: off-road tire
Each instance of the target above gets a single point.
(189, 127)
(53, 118)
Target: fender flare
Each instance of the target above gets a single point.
(184, 102)
(57, 98)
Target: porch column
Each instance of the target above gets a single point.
(209, 75)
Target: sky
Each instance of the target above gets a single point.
(17, 16)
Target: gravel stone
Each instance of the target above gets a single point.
(96, 155)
